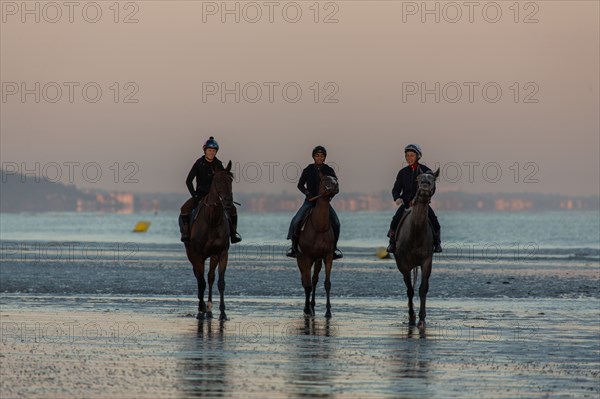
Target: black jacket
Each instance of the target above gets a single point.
(310, 180)
(405, 186)
(203, 172)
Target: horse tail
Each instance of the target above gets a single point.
(415, 275)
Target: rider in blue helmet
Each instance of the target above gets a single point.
(309, 186)
(203, 171)
(404, 191)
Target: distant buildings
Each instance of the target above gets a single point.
(20, 194)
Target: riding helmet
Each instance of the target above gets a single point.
(414, 148)
(211, 143)
(319, 149)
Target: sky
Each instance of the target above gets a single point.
(502, 96)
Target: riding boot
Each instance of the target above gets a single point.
(337, 254)
(235, 237)
(437, 241)
(184, 227)
(292, 252)
(392, 246)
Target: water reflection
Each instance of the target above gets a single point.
(409, 363)
(206, 362)
(312, 359)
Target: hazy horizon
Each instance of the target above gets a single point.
(361, 80)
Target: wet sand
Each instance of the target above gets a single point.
(150, 347)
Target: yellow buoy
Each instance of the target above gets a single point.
(141, 227)
(382, 253)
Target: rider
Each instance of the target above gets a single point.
(203, 170)
(309, 186)
(404, 191)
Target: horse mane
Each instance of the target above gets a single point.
(226, 171)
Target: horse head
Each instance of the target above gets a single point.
(222, 185)
(328, 186)
(426, 186)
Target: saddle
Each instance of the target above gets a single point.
(403, 218)
(304, 220)
(196, 212)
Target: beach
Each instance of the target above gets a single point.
(147, 347)
(512, 314)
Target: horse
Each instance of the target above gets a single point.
(209, 238)
(414, 244)
(316, 245)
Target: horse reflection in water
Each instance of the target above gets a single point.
(206, 364)
(409, 367)
(312, 352)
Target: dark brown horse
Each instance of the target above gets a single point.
(414, 244)
(316, 245)
(210, 239)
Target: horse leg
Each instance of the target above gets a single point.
(214, 261)
(423, 289)
(221, 284)
(328, 265)
(304, 264)
(410, 292)
(315, 280)
(199, 273)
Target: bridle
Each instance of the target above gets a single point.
(328, 190)
(420, 198)
(220, 201)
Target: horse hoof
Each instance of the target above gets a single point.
(307, 315)
(412, 323)
(328, 314)
(209, 315)
(200, 316)
(421, 324)
(223, 317)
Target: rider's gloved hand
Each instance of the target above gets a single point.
(399, 201)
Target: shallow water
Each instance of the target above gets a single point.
(107, 346)
(89, 309)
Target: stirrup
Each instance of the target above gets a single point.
(235, 238)
(291, 253)
(337, 254)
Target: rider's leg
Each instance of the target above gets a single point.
(292, 232)
(335, 225)
(437, 238)
(232, 210)
(393, 226)
(184, 219)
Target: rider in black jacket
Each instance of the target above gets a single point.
(203, 171)
(309, 186)
(404, 191)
